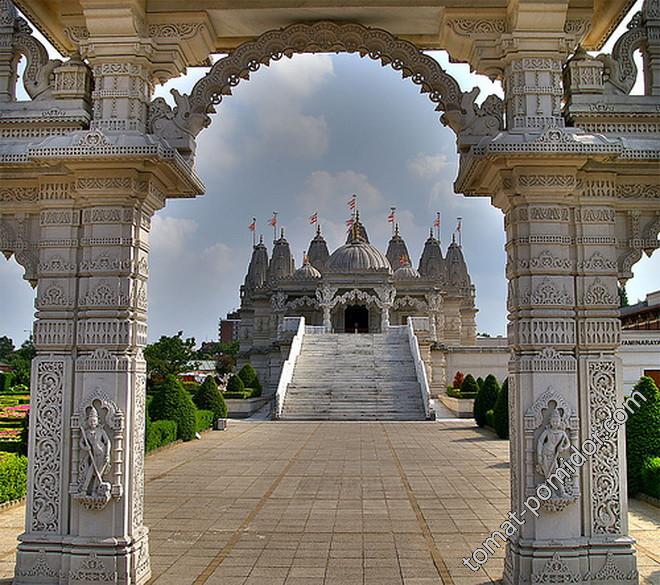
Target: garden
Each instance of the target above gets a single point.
(491, 411)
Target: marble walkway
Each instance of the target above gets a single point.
(267, 503)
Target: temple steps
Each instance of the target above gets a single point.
(354, 377)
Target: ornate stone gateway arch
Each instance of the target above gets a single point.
(570, 157)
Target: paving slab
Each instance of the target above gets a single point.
(331, 503)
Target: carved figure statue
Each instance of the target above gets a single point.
(552, 442)
(95, 447)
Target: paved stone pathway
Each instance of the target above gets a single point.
(267, 503)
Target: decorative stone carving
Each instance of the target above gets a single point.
(477, 26)
(599, 294)
(138, 455)
(40, 568)
(547, 293)
(551, 429)
(98, 434)
(47, 463)
(605, 465)
(556, 571)
(93, 570)
(191, 113)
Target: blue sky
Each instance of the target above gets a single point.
(302, 136)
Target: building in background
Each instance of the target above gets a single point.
(229, 327)
(640, 341)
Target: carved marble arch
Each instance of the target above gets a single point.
(620, 70)
(191, 113)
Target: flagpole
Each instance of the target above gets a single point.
(437, 226)
(254, 232)
(274, 226)
(460, 232)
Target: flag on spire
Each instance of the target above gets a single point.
(436, 221)
(273, 220)
(352, 202)
(458, 230)
(253, 226)
(314, 218)
(391, 217)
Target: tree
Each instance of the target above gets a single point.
(235, 384)
(501, 411)
(468, 385)
(623, 297)
(480, 382)
(459, 377)
(225, 364)
(208, 397)
(169, 355)
(485, 399)
(172, 402)
(21, 362)
(6, 347)
(642, 431)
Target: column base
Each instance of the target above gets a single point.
(49, 560)
(586, 562)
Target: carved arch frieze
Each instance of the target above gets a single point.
(191, 113)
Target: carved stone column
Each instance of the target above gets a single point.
(84, 518)
(563, 333)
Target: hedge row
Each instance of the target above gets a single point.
(491, 405)
(13, 477)
(643, 436)
(651, 477)
(159, 433)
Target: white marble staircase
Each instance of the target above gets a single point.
(354, 377)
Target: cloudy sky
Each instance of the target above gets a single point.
(302, 136)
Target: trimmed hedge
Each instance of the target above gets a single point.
(172, 402)
(235, 384)
(208, 397)
(239, 395)
(159, 433)
(642, 431)
(456, 393)
(486, 399)
(191, 387)
(480, 382)
(651, 477)
(501, 411)
(13, 477)
(203, 420)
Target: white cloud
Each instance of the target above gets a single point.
(328, 192)
(171, 234)
(425, 166)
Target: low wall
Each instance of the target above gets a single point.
(243, 408)
(461, 407)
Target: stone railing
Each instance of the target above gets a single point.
(420, 324)
(296, 324)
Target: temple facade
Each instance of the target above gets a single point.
(355, 289)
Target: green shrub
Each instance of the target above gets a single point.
(235, 384)
(651, 477)
(480, 382)
(24, 437)
(13, 477)
(642, 431)
(469, 385)
(490, 421)
(203, 420)
(20, 389)
(248, 374)
(6, 381)
(159, 433)
(237, 395)
(208, 397)
(486, 399)
(172, 402)
(501, 412)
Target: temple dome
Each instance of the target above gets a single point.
(358, 256)
(406, 272)
(306, 272)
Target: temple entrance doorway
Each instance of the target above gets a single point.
(356, 319)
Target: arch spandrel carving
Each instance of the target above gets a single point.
(191, 114)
